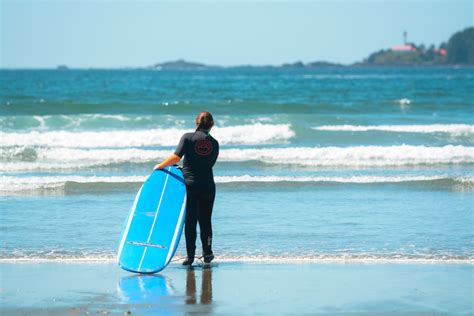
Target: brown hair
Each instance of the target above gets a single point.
(204, 121)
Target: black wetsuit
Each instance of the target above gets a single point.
(200, 151)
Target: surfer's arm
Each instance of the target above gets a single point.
(176, 156)
(171, 160)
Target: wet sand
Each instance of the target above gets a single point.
(236, 288)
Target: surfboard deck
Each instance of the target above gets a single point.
(153, 227)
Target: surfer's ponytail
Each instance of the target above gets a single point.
(204, 121)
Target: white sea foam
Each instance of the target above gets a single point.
(110, 257)
(338, 179)
(356, 156)
(403, 102)
(41, 120)
(66, 155)
(43, 159)
(239, 134)
(118, 117)
(455, 129)
(19, 184)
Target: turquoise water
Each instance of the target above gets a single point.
(366, 164)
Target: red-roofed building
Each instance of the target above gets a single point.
(441, 51)
(404, 48)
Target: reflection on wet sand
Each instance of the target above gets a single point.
(155, 295)
(147, 294)
(206, 287)
(144, 288)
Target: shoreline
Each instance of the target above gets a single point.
(237, 288)
(259, 260)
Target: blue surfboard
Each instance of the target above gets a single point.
(153, 227)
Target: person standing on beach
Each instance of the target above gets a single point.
(200, 151)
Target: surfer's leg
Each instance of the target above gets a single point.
(190, 222)
(206, 203)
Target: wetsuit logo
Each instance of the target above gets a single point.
(203, 147)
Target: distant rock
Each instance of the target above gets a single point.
(297, 64)
(322, 64)
(314, 64)
(180, 64)
(62, 67)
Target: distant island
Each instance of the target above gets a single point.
(181, 64)
(459, 50)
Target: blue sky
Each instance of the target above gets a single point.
(39, 34)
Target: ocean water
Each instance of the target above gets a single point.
(336, 164)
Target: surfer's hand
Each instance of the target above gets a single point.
(168, 162)
(158, 166)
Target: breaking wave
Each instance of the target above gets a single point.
(240, 134)
(35, 159)
(455, 129)
(11, 184)
(358, 156)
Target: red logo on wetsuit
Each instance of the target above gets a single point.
(203, 147)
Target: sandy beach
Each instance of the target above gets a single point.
(236, 288)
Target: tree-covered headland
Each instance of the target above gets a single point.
(458, 50)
